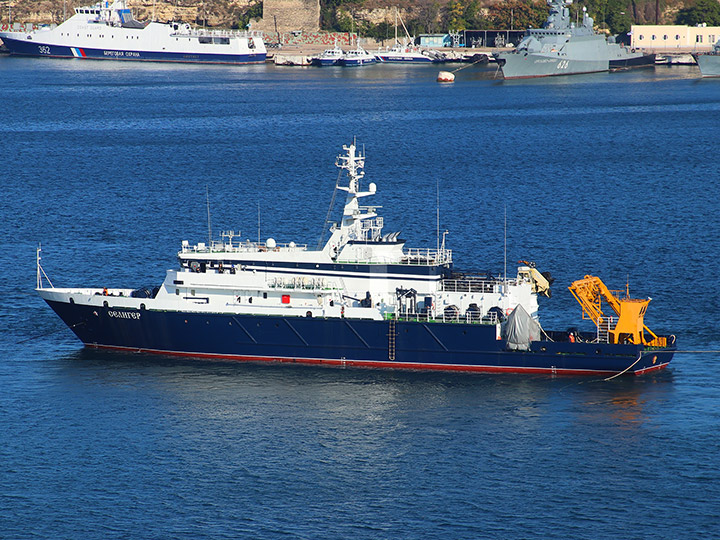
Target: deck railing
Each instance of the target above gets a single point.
(469, 317)
(240, 247)
(426, 256)
(473, 285)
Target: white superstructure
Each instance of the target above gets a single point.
(360, 273)
(109, 30)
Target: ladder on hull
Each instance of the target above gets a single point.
(391, 340)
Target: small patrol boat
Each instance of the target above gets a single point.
(360, 299)
(358, 57)
(107, 31)
(329, 57)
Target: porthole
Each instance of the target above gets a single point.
(142, 306)
(72, 300)
(105, 304)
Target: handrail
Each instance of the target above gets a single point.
(474, 285)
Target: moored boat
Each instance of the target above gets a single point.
(709, 62)
(408, 54)
(329, 57)
(110, 32)
(357, 57)
(562, 48)
(361, 299)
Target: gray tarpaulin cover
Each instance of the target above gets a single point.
(520, 330)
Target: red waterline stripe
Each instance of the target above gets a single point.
(376, 364)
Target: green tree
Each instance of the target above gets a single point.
(616, 16)
(517, 14)
(619, 20)
(456, 15)
(253, 12)
(704, 11)
(425, 17)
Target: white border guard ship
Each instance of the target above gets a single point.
(110, 32)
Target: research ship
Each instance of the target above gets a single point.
(561, 47)
(363, 299)
(110, 32)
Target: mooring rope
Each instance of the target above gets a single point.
(463, 67)
(627, 368)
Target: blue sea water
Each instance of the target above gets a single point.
(107, 165)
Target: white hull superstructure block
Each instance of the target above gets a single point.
(109, 31)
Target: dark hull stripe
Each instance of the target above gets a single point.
(337, 269)
(416, 366)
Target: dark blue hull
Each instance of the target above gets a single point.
(346, 342)
(31, 48)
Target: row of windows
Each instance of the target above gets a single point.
(698, 38)
(220, 40)
(654, 37)
(100, 35)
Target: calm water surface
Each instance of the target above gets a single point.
(107, 165)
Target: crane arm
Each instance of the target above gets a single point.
(591, 291)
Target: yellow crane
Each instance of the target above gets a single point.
(590, 293)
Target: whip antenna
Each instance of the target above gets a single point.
(207, 202)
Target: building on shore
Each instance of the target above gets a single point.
(678, 38)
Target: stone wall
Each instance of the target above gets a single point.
(290, 15)
(223, 13)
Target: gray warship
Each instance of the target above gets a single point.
(709, 62)
(561, 47)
